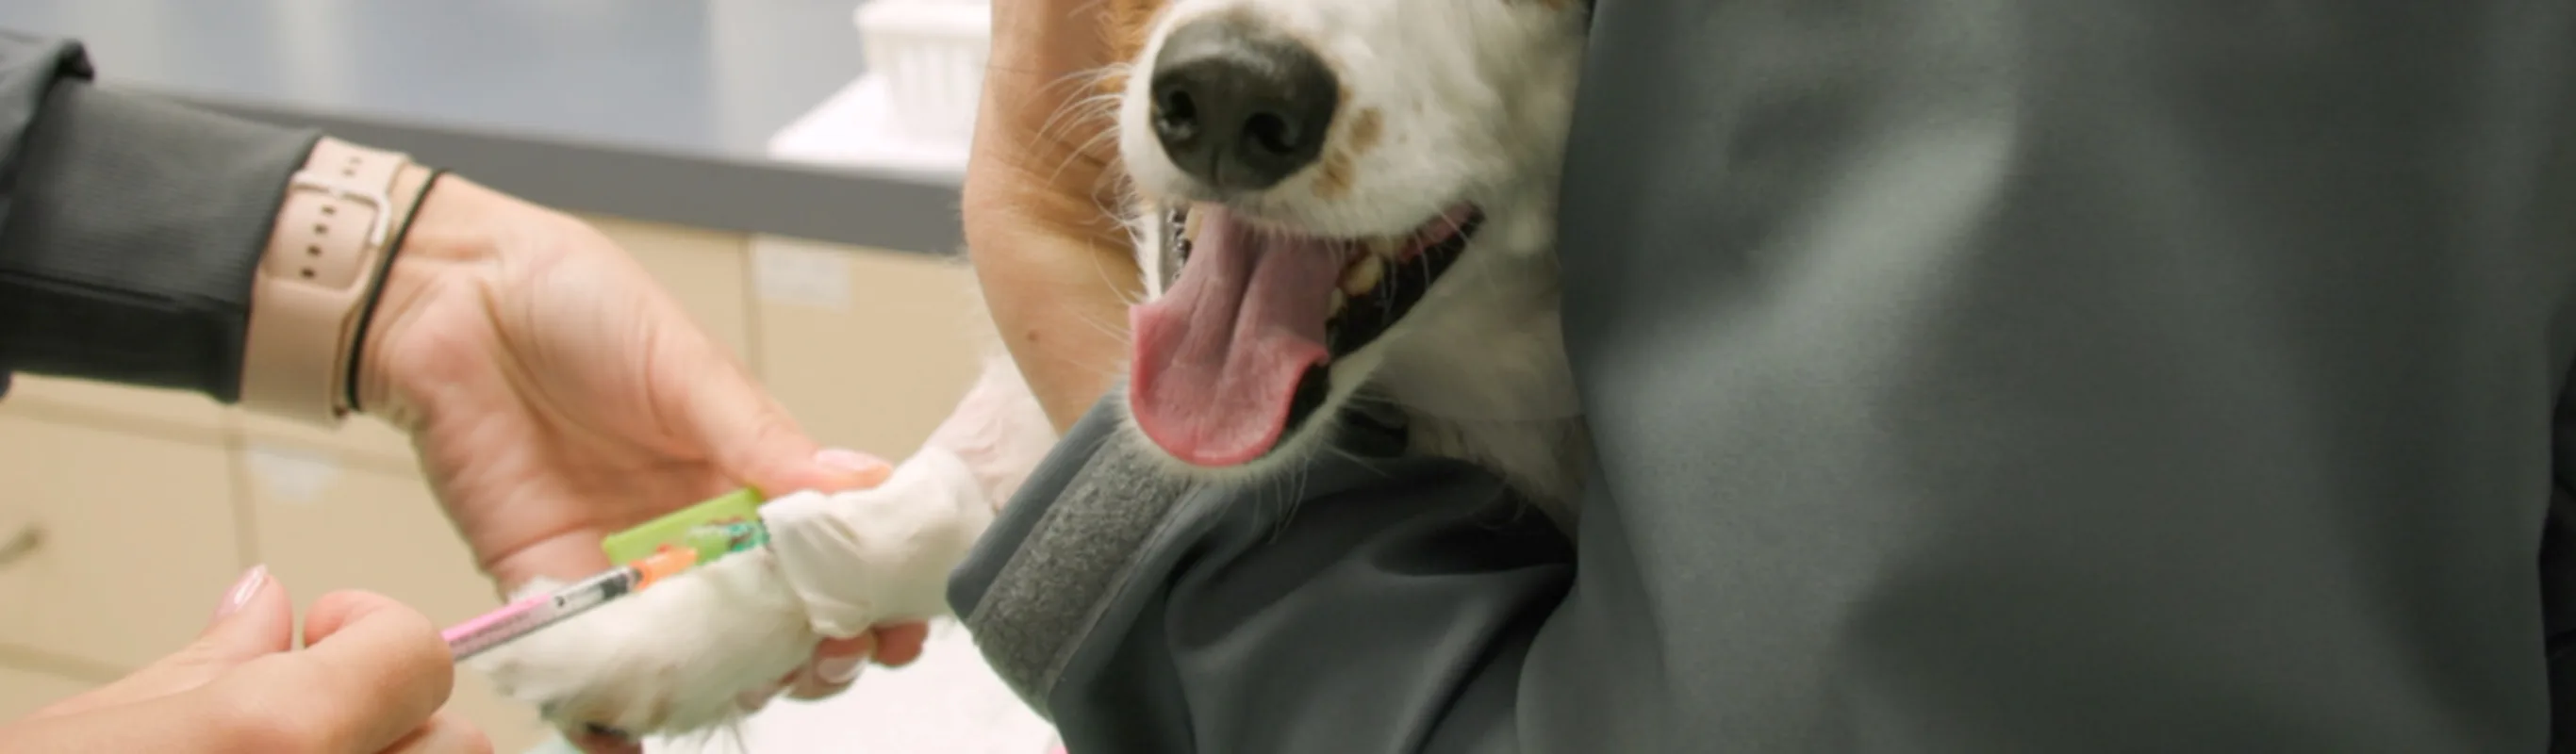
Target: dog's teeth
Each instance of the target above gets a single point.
(1385, 247)
(1362, 277)
(1340, 300)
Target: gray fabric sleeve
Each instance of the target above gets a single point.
(1967, 376)
(1371, 604)
(2114, 375)
(129, 227)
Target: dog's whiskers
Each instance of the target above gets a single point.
(1085, 149)
(1090, 111)
(1114, 331)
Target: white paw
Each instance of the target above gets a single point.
(676, 657)
(673, 658)
(864, 557)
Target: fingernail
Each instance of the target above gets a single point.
(851, 461)
(242, 591)
(838, 670)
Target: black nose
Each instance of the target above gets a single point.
(1240, 108)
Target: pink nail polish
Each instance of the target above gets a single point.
(243, 591)
(850, 460)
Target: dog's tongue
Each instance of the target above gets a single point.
(1218, 357)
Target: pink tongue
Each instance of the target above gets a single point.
(1218, 357)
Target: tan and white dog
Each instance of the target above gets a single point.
(1339, 206)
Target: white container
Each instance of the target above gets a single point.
(931, 56)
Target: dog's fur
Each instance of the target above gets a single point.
(1442, 102)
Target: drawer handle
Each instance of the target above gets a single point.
(20, 544)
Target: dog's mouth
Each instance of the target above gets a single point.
(1237, 353)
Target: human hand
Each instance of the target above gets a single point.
(556, 395)
(371, 678)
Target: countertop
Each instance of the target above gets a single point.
(656, 110)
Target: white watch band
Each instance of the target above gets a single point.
(322, 260)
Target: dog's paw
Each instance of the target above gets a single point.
(865, 557)
(675, 658)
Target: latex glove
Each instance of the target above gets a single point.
(371, 678)
(556, 395)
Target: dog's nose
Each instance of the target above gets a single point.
(1238, 107)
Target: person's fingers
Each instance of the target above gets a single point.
(443, 734)
(151, 725)
(836, 664)
(900, 644)
(254, 618)
(852, 470)
(371, 673)
(753, 440)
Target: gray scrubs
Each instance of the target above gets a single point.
(1970, 376)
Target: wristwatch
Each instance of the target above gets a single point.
(323, 263)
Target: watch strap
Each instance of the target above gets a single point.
(322, 260)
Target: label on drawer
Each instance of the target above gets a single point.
(290, 475)
(788, 273)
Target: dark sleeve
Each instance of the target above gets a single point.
(1386, 606)
(129, 227)
(2116, 375)
(1966, 377)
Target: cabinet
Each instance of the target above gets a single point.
(25, 691)
(137, 538)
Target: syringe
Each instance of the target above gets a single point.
(699, 546)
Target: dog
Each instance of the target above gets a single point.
(1340, 207)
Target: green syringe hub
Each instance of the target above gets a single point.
(689, 527)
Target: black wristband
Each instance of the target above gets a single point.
(376, 290)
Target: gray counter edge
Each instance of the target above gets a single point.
(837, 205)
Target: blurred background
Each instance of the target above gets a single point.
(787, 167)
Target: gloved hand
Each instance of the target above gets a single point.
(556, 395)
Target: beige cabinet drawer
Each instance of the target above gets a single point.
(25, 691)
(362, 440)
(869, 349)
(191, 413)
(138, 540)
(323, 525)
